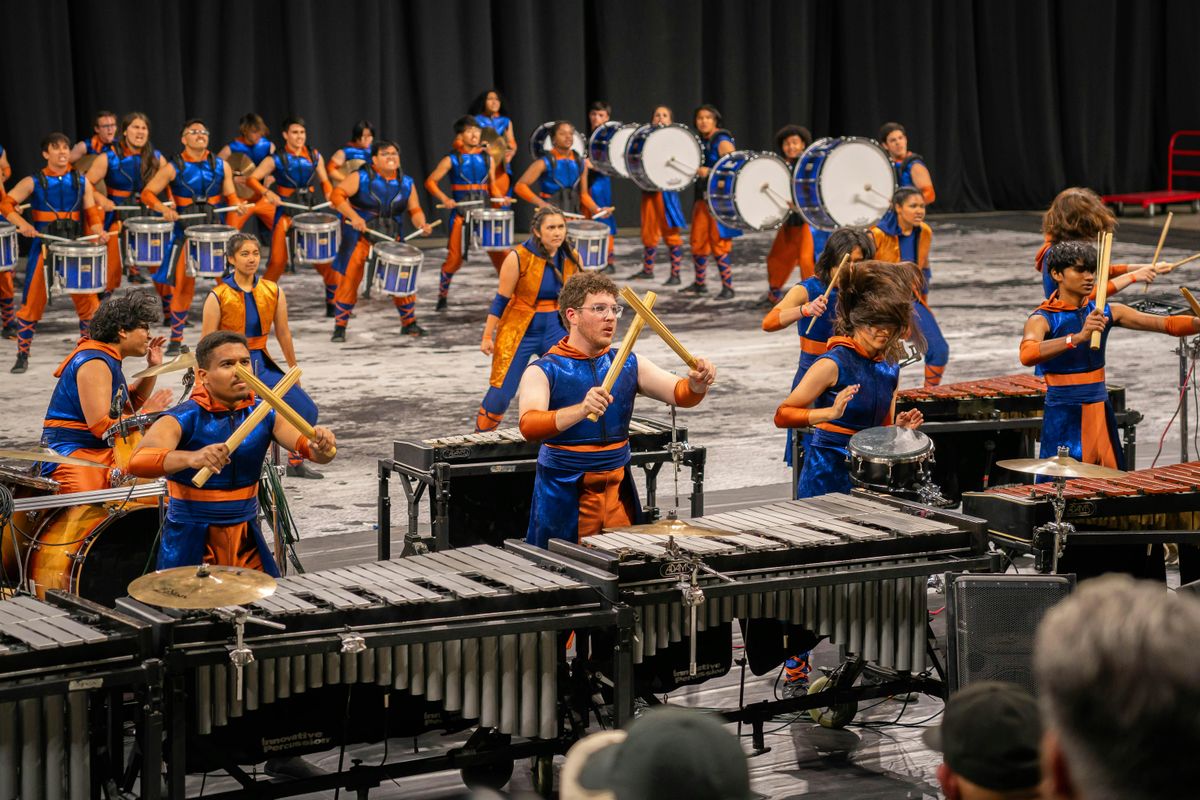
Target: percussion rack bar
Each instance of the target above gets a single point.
(137, 492)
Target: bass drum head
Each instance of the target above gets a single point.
(856, 183)
(616, 148)
(671, 157)
(540, 141)
(890, 444)
(763, 208)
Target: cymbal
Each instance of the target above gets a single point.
(183, 361)
(669, 527)
(352, 165)
(50, 457)
(240, 163)
(1059, 467)
(203, 586)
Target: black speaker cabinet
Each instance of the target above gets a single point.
(991, 623)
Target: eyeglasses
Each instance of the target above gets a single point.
(601, 310)
(110, 127)
(197, 132)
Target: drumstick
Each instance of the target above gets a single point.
(605, 213)
(1162, 237)
(570, 215)
(775, 197)
(631, 335)
(190, 216)
(1191, 300)
(671, 164)
(383, 236)
(868, 188)
(226, 209)
(278, 403)
(463, 203)
(127, 208)
(418, 231)
(832, 280)
(1102, 285)
(1187, 260)
(286, 204)
(248, 424)
(654, 322)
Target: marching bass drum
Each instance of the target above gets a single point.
(750, 190)
(843, 181)
(606, 147)
(663, 158)
(540, 141)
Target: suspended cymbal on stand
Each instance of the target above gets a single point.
(1060, 466)
(201, 587)
(183, 361)
(50, 457)
(668, 527)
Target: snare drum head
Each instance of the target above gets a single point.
(493, 214)
(315, 221)
(211, 233)
(148, 224)
(671, 157)
(587, 229)
(890, 443)
(856, 182)
(762, 190)
(77, 249)
(398, 253)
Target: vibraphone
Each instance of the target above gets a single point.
(481, 484)
(468, 638)
(1145, 507)
(850, 567)
(64, 665)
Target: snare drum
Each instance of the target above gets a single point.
(317, 237)
(124, 437)
(492, 228)
(750, 191)
(147, 240)
(206, 249)
(80, 267)
(591, 240)
(8, 246)
(541, 142)
(846, 181)
(663, 158)
(890, 459)
(398, 266)
(606, 147)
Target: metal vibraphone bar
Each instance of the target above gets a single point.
(64, 665)
(492, 478)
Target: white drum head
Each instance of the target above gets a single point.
(579, 144)
(857, 183)
(762, 192)
(616, 148)
(671, 157)
(588, 229)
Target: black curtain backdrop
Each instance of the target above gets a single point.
(1008, 101)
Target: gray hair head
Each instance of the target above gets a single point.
(1118, 671)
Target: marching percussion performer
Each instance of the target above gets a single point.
(902, 235)
(243, 302)
(297, 170)
(91, 394)
(812, 303)
(583, 483)
(104, 132)
(599, 185)
(60, 200)
(126, 167)
(375, 198)
(852, 387)
(488, 110)
(471, 172)
(560, 175)
(662, 220)
(252, 145)
(909, 166)
(710, 237)
(793, 245)
(219, 523)
(524, 322)
(1057, 337)
(357, 149)
(198, 181)
(7, 312)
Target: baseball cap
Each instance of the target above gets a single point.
(679, 751)
(989, 735)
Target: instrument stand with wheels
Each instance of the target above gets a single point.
(1050, 539)
(1188, 352)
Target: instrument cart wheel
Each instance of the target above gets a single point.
(488, 776)
(543, 775)
(838, 716)
(1120, 209)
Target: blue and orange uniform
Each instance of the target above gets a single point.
(792, 247)
(894, 246)
(826, 456)
(56, 208)
(662, 220)
(257, 153)
(598, 191)
(295, 182)
(352, 152)
(65, 429)
(500, 125)
(529, 326)
(94, 147)
(219, 523)
(196, 188)
(1050, 286)
(381, 202)
(710, 237)
(123, 184)
(468, 183)
(7, 312)
(903, 169)
(583, 483)
(560, 184)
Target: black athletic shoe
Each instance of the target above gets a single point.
(412, 329)
(138, 277)
(330, 311)
(695, 288)
(672, 281)
(726, 293)
(9, 332)
(303, 470)
(610, 269)
(441, 304)
(21, 365)
(173, 349)
(641, 275)
(339, 334)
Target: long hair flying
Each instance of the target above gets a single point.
(880, 294)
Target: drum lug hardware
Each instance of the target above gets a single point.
(692, 596)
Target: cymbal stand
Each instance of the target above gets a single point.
(241, 656)
(676, 449)
(1058, 529)
(1188, 351)
(691, 594)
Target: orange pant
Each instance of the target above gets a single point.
(600, 503)
(654, 222)
(232, 546)
(793, 247)
(347, 292)
(6, 297)
(72, 478)
(706, 238)
(279, 253)
(181, 297)
(115, 265)
(454, 249)
(35, 301)
(262, 209)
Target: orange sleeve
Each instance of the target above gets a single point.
(1117, 269)
(256, 185)
(150, 200)
(1182, 325)
(147, 462)
(684, 396)
(525, 193)
(538, 425)
(431, 186)
(327, 188)
(928, 193)
(1031, 352)
(7, 204)
(338, 196)
(101, 425)
(771, 322)
(808, 263)
(792, 417)
(232, 199)
(95, 215)
(304, 448)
